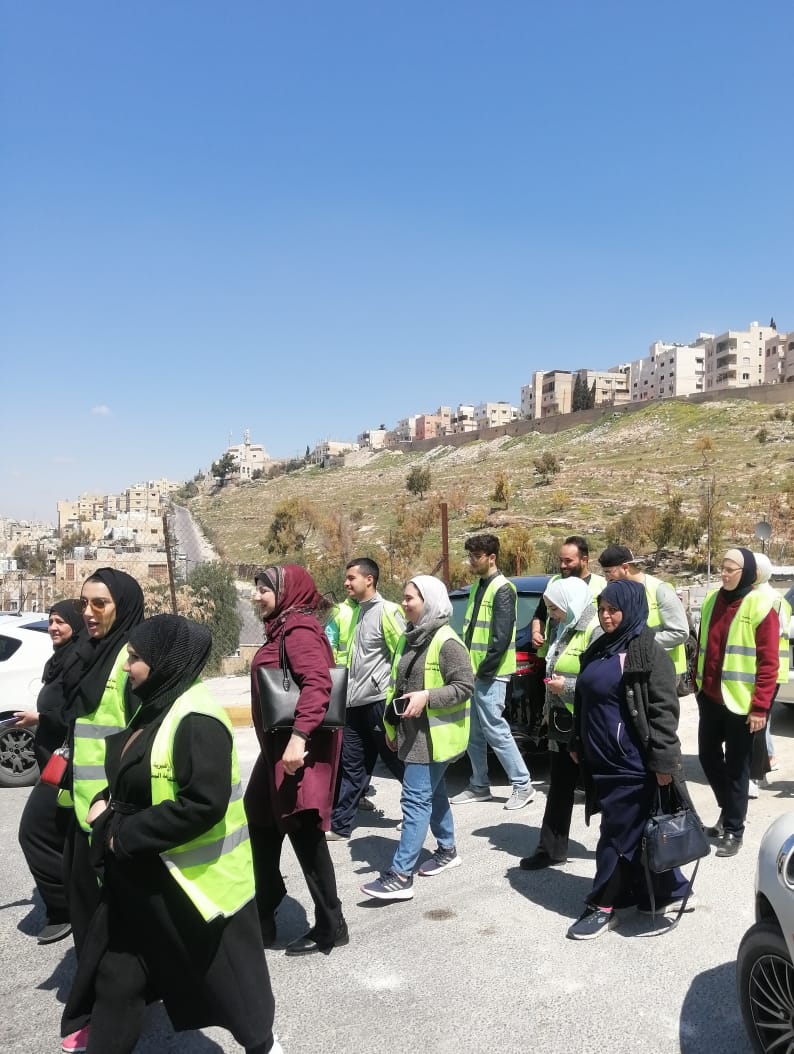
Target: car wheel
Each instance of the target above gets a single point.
(18, 766)
(765, 978)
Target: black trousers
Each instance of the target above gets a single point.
(311, 849)
(42, 835)
(81, 881)
(556, 825)
(364, 741)
(725, 749)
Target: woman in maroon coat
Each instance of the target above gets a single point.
(291, 789)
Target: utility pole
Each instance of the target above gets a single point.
(169, 556)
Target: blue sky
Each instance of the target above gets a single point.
(308, 218)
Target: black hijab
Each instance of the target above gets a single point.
(628, 597)
(749, 571)
(85, 683)
(176, 650)
(63, 654)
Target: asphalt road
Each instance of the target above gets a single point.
(477, 962)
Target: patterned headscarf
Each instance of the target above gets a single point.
(294, 590)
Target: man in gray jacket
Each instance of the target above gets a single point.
(370, 644)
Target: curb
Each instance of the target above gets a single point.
(240, 716)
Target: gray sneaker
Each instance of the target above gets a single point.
(520, 797)
(469, 795)
(441, 860)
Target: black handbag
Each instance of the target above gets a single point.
(278, 695)
(671, 839)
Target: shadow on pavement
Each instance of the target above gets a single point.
(711, 1022)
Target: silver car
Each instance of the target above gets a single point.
(765, 963)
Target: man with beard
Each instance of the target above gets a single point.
(574, 559)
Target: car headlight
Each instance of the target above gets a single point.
(785, 863)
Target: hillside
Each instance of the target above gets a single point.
(606, 468)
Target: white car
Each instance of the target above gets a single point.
(765, 963)
(25, 646)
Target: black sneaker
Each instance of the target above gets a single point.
(441, 860)
(592, 923)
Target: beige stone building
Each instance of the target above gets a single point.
(249, 457)
(736, 358)
(669, 370)
(778, 350)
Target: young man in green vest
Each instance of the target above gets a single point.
(666, 615)
(489, 632)
(367, 641)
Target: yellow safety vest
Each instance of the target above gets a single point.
(739, 661)
(345, 616)
(449, 725)
(392, 630)
(783, 609)
(567, 663)
(90, 733)
(483, 627)
(678, 652)
(215, 869)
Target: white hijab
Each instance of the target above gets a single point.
(570, 595)
(437, 605)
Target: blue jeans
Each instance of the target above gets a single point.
(489, 729)
(424, 804)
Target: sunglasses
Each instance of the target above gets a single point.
(97, 604)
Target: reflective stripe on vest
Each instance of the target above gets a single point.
(449, 725)
(215, 869)
(678, 652)
(567, 662)
(739, 661)
(483, 627)
(90, 733)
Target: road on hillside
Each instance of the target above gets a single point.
(192, 546)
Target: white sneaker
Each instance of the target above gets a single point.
(752, 790)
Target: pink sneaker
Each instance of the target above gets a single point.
(76, 1042)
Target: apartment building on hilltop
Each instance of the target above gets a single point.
(491, 415)
(669, 370)
(779, 358)
(736, 358)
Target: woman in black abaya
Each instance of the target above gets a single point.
(43, 826)
(154, 936)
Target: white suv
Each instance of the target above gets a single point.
(764, 970)
(25, 646)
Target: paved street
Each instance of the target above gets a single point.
(477, 962)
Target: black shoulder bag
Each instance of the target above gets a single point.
(278, 695)
(672, 839)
